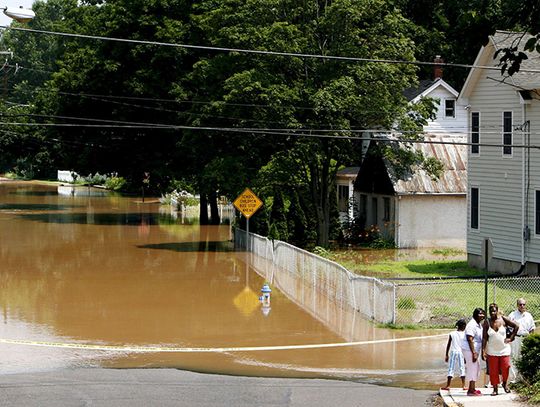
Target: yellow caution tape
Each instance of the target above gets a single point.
(148, 349)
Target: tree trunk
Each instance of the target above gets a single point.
(203, 210)
(321, 179)
(214, 210)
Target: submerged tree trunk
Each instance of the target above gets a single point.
(203, 209)
(214, 210)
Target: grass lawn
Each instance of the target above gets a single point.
(436, 302)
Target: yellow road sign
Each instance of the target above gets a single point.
(248, 203)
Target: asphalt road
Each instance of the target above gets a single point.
(170, 387)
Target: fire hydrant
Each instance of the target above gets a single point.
(265, 298)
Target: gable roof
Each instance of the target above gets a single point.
(425, 87)
(377, 177)
(454, 160)
(500, 40)
(348, 171)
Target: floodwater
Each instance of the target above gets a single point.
(81, 267)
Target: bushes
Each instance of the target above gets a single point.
(115, 183)
(529, 365)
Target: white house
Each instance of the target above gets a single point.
(419, 211)
(451, 116)
(503, 223)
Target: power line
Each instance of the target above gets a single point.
(259, 52)
(384, 138)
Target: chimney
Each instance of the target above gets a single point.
(437, 69)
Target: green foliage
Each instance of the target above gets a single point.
(115, 183)
(321, 251)
(221, 92)
(448, 252)
(531, 392)
(95, 179)
(390, 325)
(24, 168)
(406, 303)
(369, 236)
(529, 364)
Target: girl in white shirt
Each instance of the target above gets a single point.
(454, 355)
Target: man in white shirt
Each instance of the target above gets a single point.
(526, 327)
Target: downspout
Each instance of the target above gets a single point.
(523, 191)
(396, 217)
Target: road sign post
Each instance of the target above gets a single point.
(247, 203)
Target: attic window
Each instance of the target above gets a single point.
(449, 108)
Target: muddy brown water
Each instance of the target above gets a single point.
(81, 266)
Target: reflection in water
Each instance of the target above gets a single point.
(201, 246)
(125, 219)
(32, 207)
(107, 270)
(82, 191)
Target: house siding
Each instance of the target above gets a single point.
(498, 177)
(448, 125)
(532, 247)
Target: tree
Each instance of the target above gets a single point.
(293, 114)
(319, 96)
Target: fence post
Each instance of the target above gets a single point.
(394, 311)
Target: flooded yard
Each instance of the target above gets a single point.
(93, 279)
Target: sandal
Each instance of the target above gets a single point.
(445, 388)
(506, 389)
(495, 393)
(474, 394)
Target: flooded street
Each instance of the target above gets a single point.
(82, 267)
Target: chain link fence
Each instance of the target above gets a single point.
(317, 283)
(436, 303)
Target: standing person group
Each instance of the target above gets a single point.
(496, 339)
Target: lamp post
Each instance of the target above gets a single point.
(22, 15)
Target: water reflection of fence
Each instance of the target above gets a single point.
(316, 283)
(443, 302)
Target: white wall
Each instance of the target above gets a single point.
(431, 221)
(65, 176)
(447, 124)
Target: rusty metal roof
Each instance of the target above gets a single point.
(454, 159)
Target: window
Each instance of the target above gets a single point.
(374, 212)
(475, 133)
(507, 133)
(343, 198)
(386, 202)
(475, 208)
(363, 207)
(537, 213)
(449, 108)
